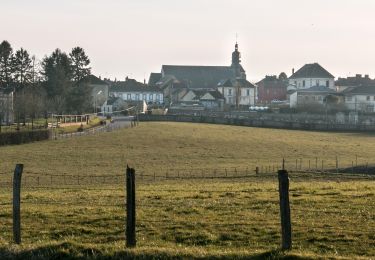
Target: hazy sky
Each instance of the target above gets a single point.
(135, 37)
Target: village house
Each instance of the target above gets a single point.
(314, 96)
(311, 75)
(113, 104)
(209, 99)
(6, 107)
(238, 92)
(352, 82)
(360, 98)
(99, 90)
(132, 90)
(175, 79)
(271, 88)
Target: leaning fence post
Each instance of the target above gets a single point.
(17, 203)
(130, 207)
(286, 227)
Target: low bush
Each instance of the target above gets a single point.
(22, 137)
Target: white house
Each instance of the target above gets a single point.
(6, 107)
(112, 104)
(132, 90)
(312, 96)
(311, 75)
(360, 98)
(237, 92)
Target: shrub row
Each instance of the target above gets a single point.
(22, 137)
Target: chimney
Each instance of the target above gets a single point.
(127, 78)
(367, 76)
(358, 76)
(144, 81)
(292, 71)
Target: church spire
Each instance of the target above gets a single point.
(236, 56)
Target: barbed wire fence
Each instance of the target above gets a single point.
(115, 184)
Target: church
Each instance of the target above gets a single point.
(229, 81)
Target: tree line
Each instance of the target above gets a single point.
(56, 84)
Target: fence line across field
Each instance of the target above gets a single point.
(131, 203)
(34, 179)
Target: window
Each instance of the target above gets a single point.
(151, 97)
(313, 98)
(317, 82)
(129, 97)
(137, 97)
(248, 92)
(229, 92)
(157, 97)
(374, 98)
(320, 98)
(327, 83)
(368, 98)
(349, 98)
(304, 83)
(144, 97)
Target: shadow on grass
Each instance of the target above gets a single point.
(72, 251)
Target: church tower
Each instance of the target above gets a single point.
(238, 71)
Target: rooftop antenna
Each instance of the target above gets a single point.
(236, 37)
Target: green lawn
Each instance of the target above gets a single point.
(81, 216)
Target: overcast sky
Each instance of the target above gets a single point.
(135, 37)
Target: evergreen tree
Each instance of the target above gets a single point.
(6, 70)
(79, 64)
(80, 96)
(22, 68)
(56, 70)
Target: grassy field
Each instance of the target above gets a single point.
(332, 215)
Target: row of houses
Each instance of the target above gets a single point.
(224, 88)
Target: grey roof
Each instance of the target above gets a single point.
(272, 82)
(214, 93)
(361, 90)
(154, 77)
(131, 85)
(92, 79)
(322, 89)
(356, 81)
(243, 83)
(199, 76)
(313, 70)
(113, 100)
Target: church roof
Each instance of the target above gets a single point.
(313, 70)
(199, 76)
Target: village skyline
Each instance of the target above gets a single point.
(139, 36)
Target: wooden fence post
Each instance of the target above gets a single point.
(286, 227)
(130, 207)
(17, 203)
